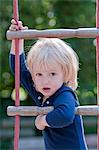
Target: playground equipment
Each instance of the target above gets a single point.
(18, 110)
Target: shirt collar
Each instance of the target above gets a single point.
(60, 90)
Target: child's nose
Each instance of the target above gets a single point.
(46, 80)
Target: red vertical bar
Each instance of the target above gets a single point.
(17, 79)
(97, 62)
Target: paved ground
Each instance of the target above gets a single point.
(37, 143)
(31, 143)
(91, 141)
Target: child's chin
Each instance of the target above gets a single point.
(47, 95)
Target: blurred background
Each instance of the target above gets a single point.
(47, 14)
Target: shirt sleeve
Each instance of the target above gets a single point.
(64, 111)
(25, 76)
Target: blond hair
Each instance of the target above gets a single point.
(46, 51)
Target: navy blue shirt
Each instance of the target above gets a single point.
(66, 129)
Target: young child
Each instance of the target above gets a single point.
(50, 77)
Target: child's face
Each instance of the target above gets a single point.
(49, 80)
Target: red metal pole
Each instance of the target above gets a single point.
(97, 62)
(17, 79)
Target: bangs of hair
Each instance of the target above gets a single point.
(45, 60)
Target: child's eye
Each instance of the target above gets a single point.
(53, 74)
(38, 74)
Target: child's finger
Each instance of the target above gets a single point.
(13, 27)
(20, 23)
(13, 21)
(25, 28)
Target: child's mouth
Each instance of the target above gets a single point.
(46, 89)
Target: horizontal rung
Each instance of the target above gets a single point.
(35, 110)
(27, 110)
(54, 33)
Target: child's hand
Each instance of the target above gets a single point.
(40, 122)
(14, 26)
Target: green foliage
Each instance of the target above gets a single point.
(43, 14)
